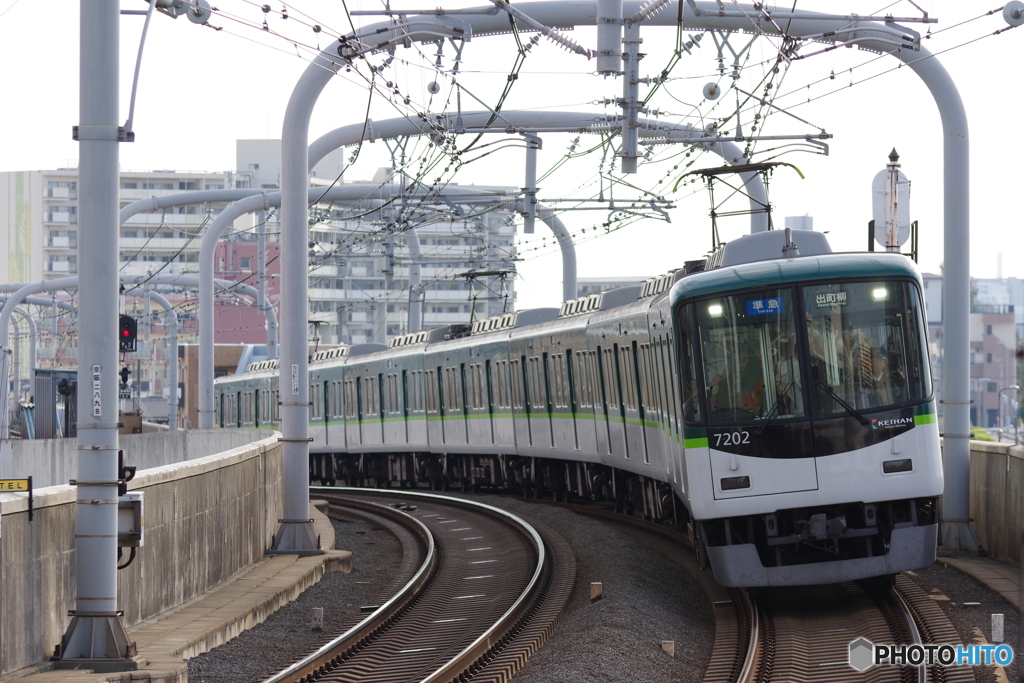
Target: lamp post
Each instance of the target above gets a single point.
(1012, 387)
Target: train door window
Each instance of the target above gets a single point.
(665, 382)
(418, 397)
(552, 364)
(536, 387)
(463, 388)
(360, 408)
(315, 408)
(489, 386)
(648, 388)
(684, 362)
(625, 375)
(570, 375)
(430, 391)
(496, 385)
(392, 390)
(369, 398)
(473, 389)
(443, 405)
(586, 381)
(611, 382)
(546, 371)
(515, 378)
(405, 393)
(381, 391)
(396, 397)
(350, 400)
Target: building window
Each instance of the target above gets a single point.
(988, 329)
(991, 387)
(129, 186)
(188, 185)
(988, 357)
(245, 263)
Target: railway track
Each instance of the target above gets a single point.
(478, 591)
(803, 633)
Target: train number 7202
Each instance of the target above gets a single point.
(731, 438)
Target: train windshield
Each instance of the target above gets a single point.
(749, 348)
(866, 346)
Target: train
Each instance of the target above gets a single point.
(773, 400)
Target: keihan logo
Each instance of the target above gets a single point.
(894, 422)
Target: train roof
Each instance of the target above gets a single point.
(779, 271)
(514, 320)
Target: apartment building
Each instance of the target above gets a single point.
(359, 276)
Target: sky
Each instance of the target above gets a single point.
(201, 89)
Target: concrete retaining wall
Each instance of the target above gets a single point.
(212, 516)
(997, 495)
(53, 462)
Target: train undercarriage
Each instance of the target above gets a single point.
(541, 478)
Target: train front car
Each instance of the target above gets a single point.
(812, 452)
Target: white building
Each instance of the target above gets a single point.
(356, 274)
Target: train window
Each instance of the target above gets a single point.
(393, 404)
(546, 370)
(649, 401)
(538, 384)
(452, 389)
(867, 345)
(429, 391)
(687, 365)
(489, 386)
(369, 398)
(751, 368)
(626, 377)
(516, 376)
(350, 399)
(570, 382)
(611, 382)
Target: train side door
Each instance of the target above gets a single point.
(489, 391)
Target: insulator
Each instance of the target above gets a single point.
(568, 44)
(649, 10)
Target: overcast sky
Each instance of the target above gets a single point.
(201, 89)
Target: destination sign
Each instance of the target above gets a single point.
(765, 306)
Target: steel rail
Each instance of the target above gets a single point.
(748, 674)
(915, 632)
(314, 663)
(494, 634)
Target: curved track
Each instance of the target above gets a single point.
(488, 590)
(803, 633)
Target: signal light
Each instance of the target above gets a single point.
(128, 333)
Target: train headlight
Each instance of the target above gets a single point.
(894, 466)
(734, 483)
(715, 310)
(880, 294)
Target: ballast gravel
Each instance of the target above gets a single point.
(647, 599)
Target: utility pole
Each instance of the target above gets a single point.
(96, 638)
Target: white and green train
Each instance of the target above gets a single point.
(775, 399)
